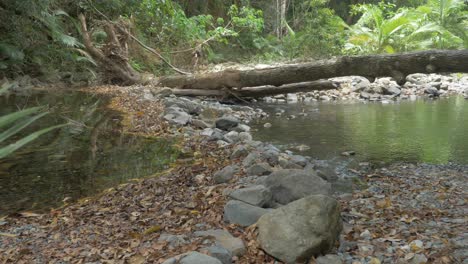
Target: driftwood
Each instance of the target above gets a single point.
(113, 57)
(260, 91)
(395, 65)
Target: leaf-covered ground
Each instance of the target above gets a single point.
(408, 214)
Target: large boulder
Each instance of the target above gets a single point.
(290, 185)
(295, 232)
(177, 116)
(243, 214)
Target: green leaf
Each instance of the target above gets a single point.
(19, 126)
(5, 151)
(10, 118)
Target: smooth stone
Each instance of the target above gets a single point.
(329, 259)
(227, 122)
(259, 169)
(245, 136)
(192, 258)
(243, 214)
(224, 239)
(290, 185)
(226, 174)
(220, 253)
(257, 195)
(239, 151)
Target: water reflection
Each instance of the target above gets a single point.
(421, 131)
(89, 155)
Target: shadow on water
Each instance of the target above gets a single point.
(78, 160)
(421, 131)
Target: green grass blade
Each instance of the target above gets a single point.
(5, 151)
(19, 126)
(10, 118)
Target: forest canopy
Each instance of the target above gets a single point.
(44, 38)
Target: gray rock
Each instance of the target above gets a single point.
(260, 169)
(431, 90)
(267, 125)
(174, 240)
(257, 195)
(323, 170)
(299, 160)
(189, 106)
(192, 257)
(329, 259)
(175, 115)
(224, 239)
(239, 151)
(226, 174)
(250, 159)
(200, 124)
(290, 185)
(365, 95)
(302, 229)
(220, 253)
(232, 137)
(227, 122)
(241, 128)
(243, 214)
(245, 136)
(391, 90)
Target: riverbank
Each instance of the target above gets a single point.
(227, 181)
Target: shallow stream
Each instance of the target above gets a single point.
(429, 131)
(81, 159)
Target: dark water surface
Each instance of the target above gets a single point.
(421, 131)
(78, 160)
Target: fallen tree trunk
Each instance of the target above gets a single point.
(394, 65)
(260, 91)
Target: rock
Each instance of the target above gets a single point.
(243, 214)
(227, 122)
(391, 90)
(365, 95)
(257, 195)
(324, 98)
(232, 137)
(290, 185)
(163, 92)
(224, 239)
(226, 174)
(291, 97)
(260, 169)
(220, 253)
(302, 229)
(267, 125)
(418, 259)
(329, 259)
(239, 151)
(177, 116)
(174, 240)
(192, 258)
(245, 136)
(323, 170)
(190, 106)
(299, 160)
(241, 128)
(250, 159)
(348, 153)
(431, 91)
(200, 124)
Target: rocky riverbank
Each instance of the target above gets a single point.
(385, 90)
(231, 199)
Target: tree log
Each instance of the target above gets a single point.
(260, 91)
(394, 65)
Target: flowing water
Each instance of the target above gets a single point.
(430, 131)
(81, 159)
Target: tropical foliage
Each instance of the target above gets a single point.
(438, 24)
(12, 124)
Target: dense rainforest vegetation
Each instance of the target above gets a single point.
(44, 38)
